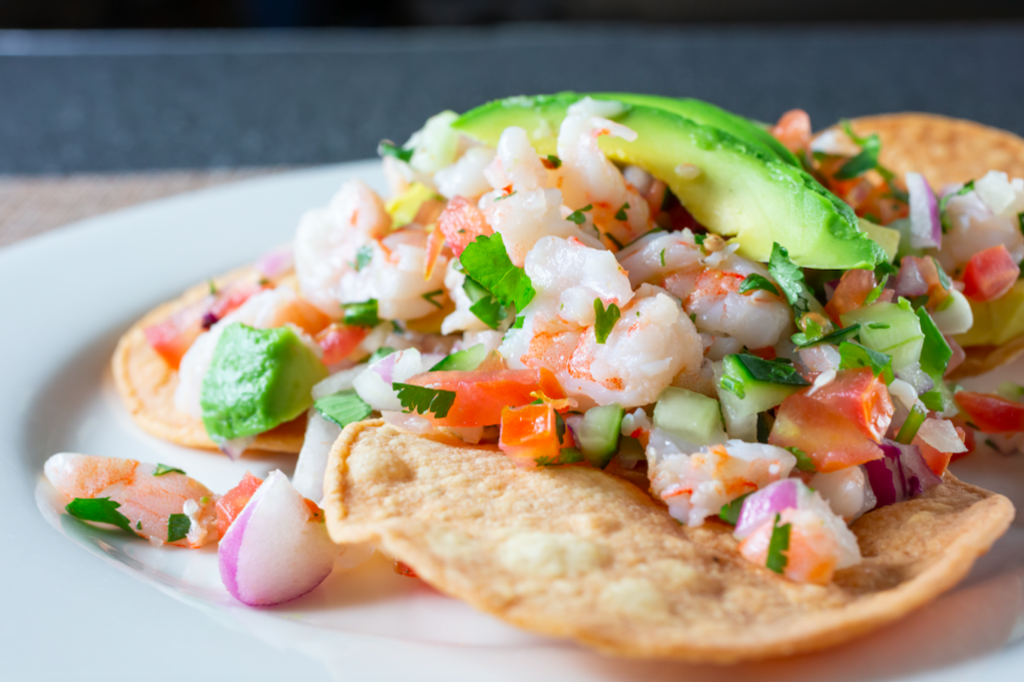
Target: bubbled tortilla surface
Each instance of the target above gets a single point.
(146, 383)
(575, 552)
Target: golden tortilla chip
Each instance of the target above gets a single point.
(146, 382)
(575, 552)
(945, 150)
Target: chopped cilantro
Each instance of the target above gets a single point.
(505, 196)
(361, 314)
(699, 239)
(577, 215)
(518, 324)
(779, 543)
(779, 371)
(803, 460)
(569, 456)
(876, 292)
(854, 356)
(836, 337)
(730, 512)
(613, 240)
(363, 257)
(100, 510)
(553, 162)
(790, 278)
(485, 306)
(429, 297)
(661, 256)
(866, 160)
(138, 526)
(424, 400)
(381, 352)
(621, 213)
(487, 262)
(162, 469)
(752, 282)
(935, 353)
(606, 319)
(343, 408)
(693, 318)
(943, 277)
(389, 148)
(178, 526)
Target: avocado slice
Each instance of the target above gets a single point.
(744, 191)
(996, 322)
(258, 378)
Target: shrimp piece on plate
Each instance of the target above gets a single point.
(346, 253)
(651, 342)
(697, 485)
(146, 500)
(587, 177)
(523, 208)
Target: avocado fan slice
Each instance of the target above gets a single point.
(745, 190)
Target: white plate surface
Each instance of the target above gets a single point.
(77, 602)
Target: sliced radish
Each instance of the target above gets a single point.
(276, 550)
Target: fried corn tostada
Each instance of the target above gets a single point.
(578, 553)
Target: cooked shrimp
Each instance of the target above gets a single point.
(847, 491)
(465, 177)
(344, 253)
(983, 218)
(267, 309)
(147, 501)
(523, 208)
(589, 178)
(651, 342)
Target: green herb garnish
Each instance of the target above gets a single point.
(730, 512)
(99, 510)
(362, 314)
(779, 543)
(424, 400)
(485, 306)
(621, 213)
(577, 215)
(752, 282)
(363, 257)
(790, 279)
(486, 261)
(162, 469)
(343, 408)
(835, 338)
(429, 297)
(803, 460)
(389, 148)
(606, 319)
(178, 526)
(854, 356)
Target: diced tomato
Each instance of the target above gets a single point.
(839, 424)
(990, 413)
(989, 274)
(530, 435)
(435, 242)
(404, 569)
(231, 298)
(338, 341)
(794, 130)
(173, 337)
(850, 293)
(233, 502)
(481, 396)
(461, 223)
(929, 273)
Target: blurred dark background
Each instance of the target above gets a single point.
(85, 14)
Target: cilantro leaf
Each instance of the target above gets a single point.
(389, 148)
(730, 512)
(698, 239)
(777, 561)
(610, 237)
(854, 356)
(772, 371)
(935, 353)
(876, 292)
(606, 319)
(577, 215)
(100, 510)
(162, 469)
(803, 460)
(485, 306)
(178, 526)
(811, 334)
(943, 277)
(362, 314)
(424, 400)
(505, 196)
(835, 338)
(866, 160)
(343, 408)
(363, 257)
(752, 282)
(621, 213)
(518, 324)
(790, 278)
(429, 297)
(553, 162)
(486, 261)
(661, 256)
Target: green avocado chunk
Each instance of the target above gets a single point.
(744, 190)
(258, 378)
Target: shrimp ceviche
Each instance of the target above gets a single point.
(755, 327)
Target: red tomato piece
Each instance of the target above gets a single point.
(851, 292)
(229, 299)
(404, 569)
(989, 274)
(839, 424)
(990, 413)
(530, 435)
(481, 396)
(173, 337)
(461, 223)
(338, 341)
(233, 502)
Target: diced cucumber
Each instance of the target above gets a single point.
(690, 416)
(597, 433)
(890, 328)
(463, 360)
(748, 385)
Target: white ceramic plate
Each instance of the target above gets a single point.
(76, 601)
